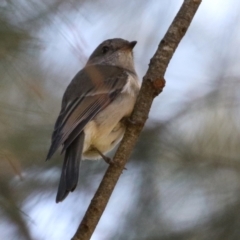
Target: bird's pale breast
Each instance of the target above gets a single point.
(106, 129)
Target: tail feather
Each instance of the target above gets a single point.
(70, 168)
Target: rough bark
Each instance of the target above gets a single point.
(153, 83)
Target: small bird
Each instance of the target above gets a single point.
(94, 106)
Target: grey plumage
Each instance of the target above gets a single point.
(89, 116)
(101, 85)
(70, 168)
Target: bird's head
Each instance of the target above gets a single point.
(116, 52)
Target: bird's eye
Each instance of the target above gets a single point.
(105, 49)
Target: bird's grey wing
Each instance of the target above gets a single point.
(102, 84)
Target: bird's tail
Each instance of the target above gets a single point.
(70, 168)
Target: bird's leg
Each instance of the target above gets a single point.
(105, 158)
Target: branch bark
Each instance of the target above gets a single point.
(152, 85)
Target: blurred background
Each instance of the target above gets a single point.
(183, 179)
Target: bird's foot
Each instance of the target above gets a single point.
(108, 160)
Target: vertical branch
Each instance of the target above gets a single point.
(153, 83)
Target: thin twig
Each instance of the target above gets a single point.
(153, 83)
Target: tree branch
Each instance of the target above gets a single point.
(153, 83)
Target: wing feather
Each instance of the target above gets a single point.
(102, 84)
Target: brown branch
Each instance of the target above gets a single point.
(153, 83)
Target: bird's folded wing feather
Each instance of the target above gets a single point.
(91, 90)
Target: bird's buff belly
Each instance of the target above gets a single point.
(106, 130)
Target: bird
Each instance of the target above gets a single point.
(94, 109)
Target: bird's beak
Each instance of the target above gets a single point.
(129, 46)
(132, 44)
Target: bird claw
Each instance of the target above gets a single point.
(111, 161)
(108, 160)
